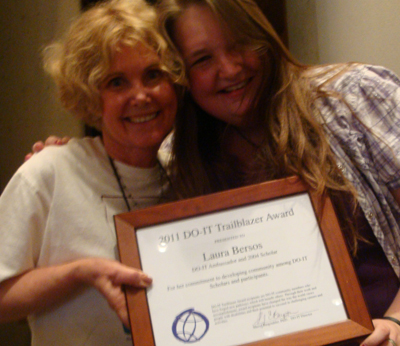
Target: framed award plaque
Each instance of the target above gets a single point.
(260, 265)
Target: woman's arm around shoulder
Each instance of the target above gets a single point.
(51, 140)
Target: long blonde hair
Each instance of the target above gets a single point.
(295, 142)
(294, 139)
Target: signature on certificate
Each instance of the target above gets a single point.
(266, 318)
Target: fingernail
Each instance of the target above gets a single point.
(146, 281)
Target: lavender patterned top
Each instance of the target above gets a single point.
(369, 154)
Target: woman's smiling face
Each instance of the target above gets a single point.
(224, 77)
(139, 105)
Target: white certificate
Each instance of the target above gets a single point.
(261, 271)
(244, 274)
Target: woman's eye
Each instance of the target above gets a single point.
(115, 82)
(154, 75)
(201, 60)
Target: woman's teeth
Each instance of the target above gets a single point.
(138, 120)
(235, 87)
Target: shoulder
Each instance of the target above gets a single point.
(76, 148)
(369, 92)
(346, 78)
(361, 104)
(57, 160)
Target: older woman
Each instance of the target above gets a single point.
(58, 257)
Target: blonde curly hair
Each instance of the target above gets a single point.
(80, 61)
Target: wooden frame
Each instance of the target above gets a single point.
(358, 323)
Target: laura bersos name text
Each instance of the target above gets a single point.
(236, 250)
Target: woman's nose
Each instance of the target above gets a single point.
(230, 64)
(139, 95)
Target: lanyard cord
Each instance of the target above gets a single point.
(121, 187)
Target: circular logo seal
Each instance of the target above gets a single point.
(190, 326)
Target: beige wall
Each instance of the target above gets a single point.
(28, 109)
(302, 30)
(329, 31)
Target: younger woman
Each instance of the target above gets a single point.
(253, 113)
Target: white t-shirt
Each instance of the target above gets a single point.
(59, 207)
